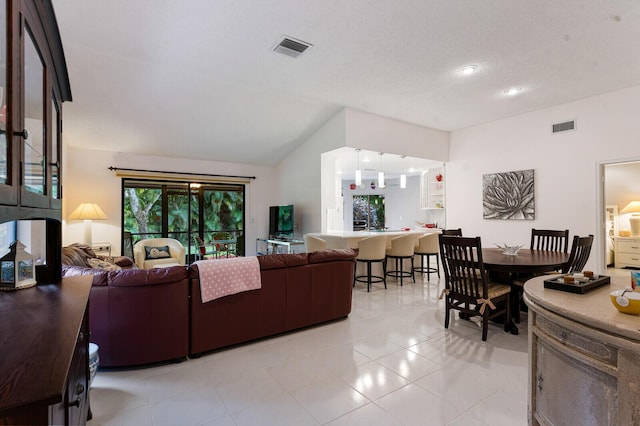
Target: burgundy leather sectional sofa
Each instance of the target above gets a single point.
(138, 316)
(142, 316)
(298, 290)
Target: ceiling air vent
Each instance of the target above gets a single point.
(563, 127)
(291, 47)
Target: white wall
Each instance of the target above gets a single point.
(87, 179)
(376, 133)
(299, 176)
(565, 165)
(303, 171)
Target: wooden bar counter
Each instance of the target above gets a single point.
(584, 357)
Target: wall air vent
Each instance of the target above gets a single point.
(291, 47)
(563, 127)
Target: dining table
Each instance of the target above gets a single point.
(505, 268)
(524, 262)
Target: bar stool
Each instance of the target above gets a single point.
(313, 243)
(370, 250)
(428, 246)
(402, 248)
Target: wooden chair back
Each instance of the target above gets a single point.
(465, 276)
(550, 240)
(580, 250)
(454, 232)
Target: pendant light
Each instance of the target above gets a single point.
(358, 171)
(380, 172)
(403, 176)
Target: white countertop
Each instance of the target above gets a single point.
(594, 308)
(349, 239)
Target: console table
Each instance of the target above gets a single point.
(583, 357)
(44, 340)
(269, 246)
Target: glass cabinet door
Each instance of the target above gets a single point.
(5, 160)
(34, 137)
(55, 150)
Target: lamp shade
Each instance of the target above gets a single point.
(634, 220)
(88, 211)
(632, 207)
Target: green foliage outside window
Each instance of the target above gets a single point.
(144, 203)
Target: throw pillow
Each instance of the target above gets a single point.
(102, 264)
(156, 252)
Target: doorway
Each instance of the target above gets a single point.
(368, 212)
(617, 186)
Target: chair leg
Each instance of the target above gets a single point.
(428, 267)
(515, 299)
(384, 273)
(485, 324)
(438, 264)
(355, 270)
(446, 312)
(368, 277)
(413, 274)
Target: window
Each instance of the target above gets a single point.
(183, 210)
(7, 236)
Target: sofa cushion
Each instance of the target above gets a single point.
(332, 255)
(159, 252)
(275, 261)
(144, 277)
(77, 255)
(122, 261)
(99, 276)
(103, 264)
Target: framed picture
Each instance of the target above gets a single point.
(508, 195)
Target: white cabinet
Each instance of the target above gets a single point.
(627, 252)
(433, 195)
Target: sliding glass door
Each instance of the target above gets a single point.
(183, 210)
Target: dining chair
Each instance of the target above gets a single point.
(402, 248)
(371, 250)
(127, 244)
(224, 243)
(313, 243)
(467, 286)
(580, 250)
(550, 240)
(453, 232)
(201, 248)
(427, 247)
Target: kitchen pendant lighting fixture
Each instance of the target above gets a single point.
(403, 176)
(380, 172)
(358, 171)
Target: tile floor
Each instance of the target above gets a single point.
(391, 362)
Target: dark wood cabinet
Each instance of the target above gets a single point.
(44, 367)
(43, 330)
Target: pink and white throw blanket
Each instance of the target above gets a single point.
(223, 277)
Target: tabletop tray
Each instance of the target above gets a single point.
(580, 288)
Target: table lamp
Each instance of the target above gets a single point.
(88, 212)
(634, 220)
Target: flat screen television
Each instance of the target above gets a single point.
(281, 221)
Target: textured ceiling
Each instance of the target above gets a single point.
(199, 79)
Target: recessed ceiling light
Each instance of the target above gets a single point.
(513, 91)
(469, 69)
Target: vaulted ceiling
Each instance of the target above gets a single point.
(200, 79)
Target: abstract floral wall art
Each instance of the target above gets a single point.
(508, 195)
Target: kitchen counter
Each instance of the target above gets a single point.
(349, 239)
